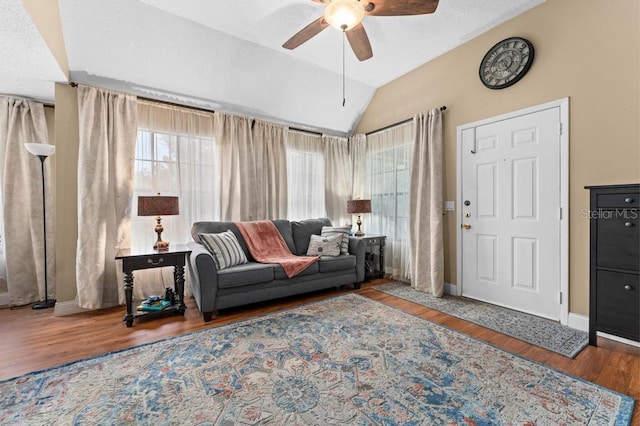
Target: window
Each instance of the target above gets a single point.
(179, 165)
(305, 176)
(388, 176)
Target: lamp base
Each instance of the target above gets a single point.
(161, 245)
(49, 303)
(359, 233)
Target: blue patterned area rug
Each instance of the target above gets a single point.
(538, 331)
(346, 360)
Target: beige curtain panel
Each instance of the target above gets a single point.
(270, 142)
(425, 217)
(236, 167)
(106, 155)
(21, 235)
(337, 177)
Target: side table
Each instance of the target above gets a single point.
(136, 259)
(374, 258)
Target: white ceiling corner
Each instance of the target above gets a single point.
(28, 68)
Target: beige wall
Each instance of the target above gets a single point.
(587, 50)
(66, 189)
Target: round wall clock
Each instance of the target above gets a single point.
(506, 63)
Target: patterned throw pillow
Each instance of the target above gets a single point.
(324, 246)
(327, 231)
(225, 249)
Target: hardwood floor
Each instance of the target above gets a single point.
(35, 340)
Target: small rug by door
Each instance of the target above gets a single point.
(341, 361)
(529, 328)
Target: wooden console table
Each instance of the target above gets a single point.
(374, 262)
(135, 259)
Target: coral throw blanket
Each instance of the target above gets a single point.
(266, 245)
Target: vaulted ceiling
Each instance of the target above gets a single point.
(227, 54)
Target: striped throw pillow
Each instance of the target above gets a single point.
(328, 231)
(225, 249)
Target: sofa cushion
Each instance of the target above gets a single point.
(213, 227)
(302, 231)
(225, 249)
(246, 274)
(279, 274)
(342, 230)
(338, 263)
(324, 246)
(284, 227)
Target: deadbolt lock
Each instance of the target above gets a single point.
(467, 214)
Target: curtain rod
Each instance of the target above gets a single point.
(173, 104)
(399, 123)
(74, 84)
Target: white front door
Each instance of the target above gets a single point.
(511, 233)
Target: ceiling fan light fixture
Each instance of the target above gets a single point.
(344, 14)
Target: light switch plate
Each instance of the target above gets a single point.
(449, 205)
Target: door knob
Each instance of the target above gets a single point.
(628, 287)
(466, 226)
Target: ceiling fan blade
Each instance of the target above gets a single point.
(306, 33)
(359, 42)
(402, 7)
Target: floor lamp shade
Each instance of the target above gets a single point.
(158, 205)
(359, 207)
(43, 151)
(40, 149)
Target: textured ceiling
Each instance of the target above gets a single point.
(227, 55)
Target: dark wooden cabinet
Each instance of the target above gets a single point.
(614, 296)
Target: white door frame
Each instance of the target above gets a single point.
(563, 104)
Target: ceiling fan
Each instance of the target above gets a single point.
(346, 15)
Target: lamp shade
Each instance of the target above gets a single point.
(158, 205)
(40, 149)
(358, 206)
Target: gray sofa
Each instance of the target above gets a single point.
(256, 282)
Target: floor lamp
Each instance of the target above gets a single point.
(42, 151)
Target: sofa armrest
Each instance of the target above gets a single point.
(203, 277)
(357, 247)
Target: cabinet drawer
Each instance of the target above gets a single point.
(621, 200)
(618, 304)
(618, 243)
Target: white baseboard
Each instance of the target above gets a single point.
(450, 289)
(68, 308)
(581, 322)
(578, 322)
(619, 339)
(4, 299)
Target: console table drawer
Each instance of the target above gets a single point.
(153, 261)
(372, 241)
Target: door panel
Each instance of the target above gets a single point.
(511, 180)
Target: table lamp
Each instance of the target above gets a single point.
(158, 205)
(359, 207)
